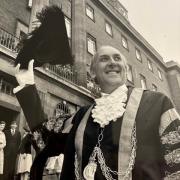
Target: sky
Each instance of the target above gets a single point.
(158, 21)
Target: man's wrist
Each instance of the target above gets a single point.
(20, 87)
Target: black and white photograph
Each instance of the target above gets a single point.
(89, 90)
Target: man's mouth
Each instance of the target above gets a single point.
(112, 71)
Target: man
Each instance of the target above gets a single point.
(128, 133)
(13, 140)
(2, 145)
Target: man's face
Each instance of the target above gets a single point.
(50, 124)
(13, 126)
(110, 68)
(2, 126)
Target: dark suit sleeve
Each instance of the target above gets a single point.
(170, 139)
(30, 103)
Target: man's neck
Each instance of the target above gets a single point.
(109, 89)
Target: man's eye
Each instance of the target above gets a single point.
(117, 58)
(104, 59)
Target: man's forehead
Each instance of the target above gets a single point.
(105, 50)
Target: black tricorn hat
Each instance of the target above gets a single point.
(48, 43)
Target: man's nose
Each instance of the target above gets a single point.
(112, 61)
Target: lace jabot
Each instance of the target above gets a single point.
(110, 106)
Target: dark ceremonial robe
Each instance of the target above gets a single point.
(158, 138)
(10, 153)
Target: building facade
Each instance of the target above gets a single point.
(90, 24)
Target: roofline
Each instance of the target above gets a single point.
(172, 65)
(136, 34)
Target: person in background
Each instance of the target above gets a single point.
(25, 157)
(13, 140)
(2, 145)
(54, 164)
(126, 134)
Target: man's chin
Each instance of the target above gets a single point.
(114, 83)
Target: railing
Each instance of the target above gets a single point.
(65, 73)
(6, 87)
(8, 40)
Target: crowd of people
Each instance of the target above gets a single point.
(16, 155)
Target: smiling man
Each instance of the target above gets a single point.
(127, 134)
(109, 68)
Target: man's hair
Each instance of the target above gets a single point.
(95, 59)
(13, 122)
(2, 122)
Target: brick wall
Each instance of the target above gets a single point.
(10, 11)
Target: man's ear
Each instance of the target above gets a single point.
(92, 74)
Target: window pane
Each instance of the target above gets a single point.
(150, 65)
(91, 45)
(108, 28)
(138, 55)
(143, 82)
(124, 42)
(68, 27)
(90, 12)
(159, 74)
(30, 3)
(129, 74)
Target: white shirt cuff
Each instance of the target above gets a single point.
(18, 88)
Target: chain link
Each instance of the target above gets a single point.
(100, 138)
(107, 171)
(76, 165)
(100, 157)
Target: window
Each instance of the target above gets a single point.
(108, 28)
(129, 73)
(68, 28)
(22, 35)
(138, 55)
(150, 67)
(124, 42)
(6, 87)
(62, 109)
(21, 30)
(90, 12)
(160, 74)
(143, 82)
(91, 44)
(30, 3)
(154, 87)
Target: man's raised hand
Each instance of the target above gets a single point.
(25, 76)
